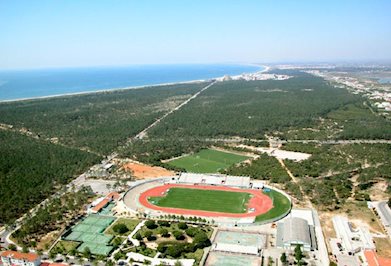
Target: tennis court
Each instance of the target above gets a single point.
(95, 248)
(227, 259)
(90, 233)
(241, 239)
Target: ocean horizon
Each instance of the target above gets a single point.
(37, 83)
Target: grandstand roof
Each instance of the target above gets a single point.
(215, 179)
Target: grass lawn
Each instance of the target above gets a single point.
(206, 200)
(281, 205)
(130, 224)
(66, 245)
(207, 161)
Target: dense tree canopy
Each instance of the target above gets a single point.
(29, 170)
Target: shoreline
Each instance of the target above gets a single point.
(266, 68)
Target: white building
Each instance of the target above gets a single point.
(295, 231)
(11, 258)
(352, 240)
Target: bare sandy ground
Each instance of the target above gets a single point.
(143, 171)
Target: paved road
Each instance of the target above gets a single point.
(304, 141)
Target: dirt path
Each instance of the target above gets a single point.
(294, 180)
(143, 133)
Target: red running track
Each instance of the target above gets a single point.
(260, 202)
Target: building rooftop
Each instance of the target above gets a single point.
(384, 212)
(19, 255)
(296, 230)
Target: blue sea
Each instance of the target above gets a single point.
(22, 84)
(385, 80)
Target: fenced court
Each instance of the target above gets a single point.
(227, 259)
(241, 239)
(90, 233)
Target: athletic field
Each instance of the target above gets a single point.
(205, 200)
(207, 161)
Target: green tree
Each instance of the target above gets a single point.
(164, 232)
(283, 258)
(87, 253)
(120, 228)
(25, 249)
(149, 235)
(298, 253)
(182, 226)
(12, 247)
(191, 231)
(178, 235)
(138, 236)
(201, 240)
(150, 224)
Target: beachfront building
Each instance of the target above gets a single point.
(10, 258)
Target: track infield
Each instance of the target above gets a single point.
(209, 201)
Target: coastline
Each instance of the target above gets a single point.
(266, 68)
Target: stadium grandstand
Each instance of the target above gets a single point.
(215, 180)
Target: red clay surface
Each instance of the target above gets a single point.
(374, 260)
(260, 202)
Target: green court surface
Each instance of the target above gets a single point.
(107, 210)
(89, 233)
(95, 248)
(240, 238)
(207, 161)
(226, 259)
(205, 200)
(281, 206)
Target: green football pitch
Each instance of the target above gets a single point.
(207, 161)
(205, 200)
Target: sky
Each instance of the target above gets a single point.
(70, 33)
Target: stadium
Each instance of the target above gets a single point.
(221, 198)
